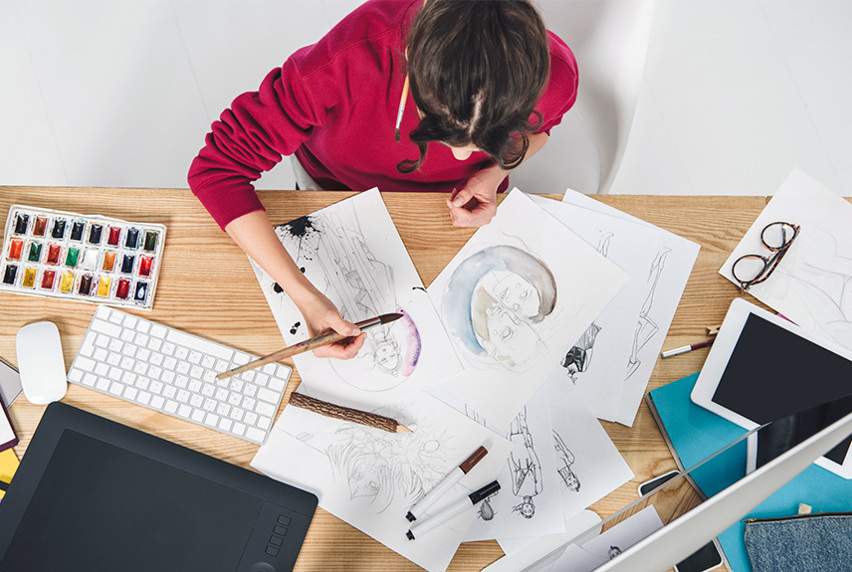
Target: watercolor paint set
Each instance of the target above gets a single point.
(81, 257)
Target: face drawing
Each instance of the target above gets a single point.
(511, 339)
(513, 292)
(494, 301)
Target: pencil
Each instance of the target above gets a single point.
(684, 349)
(324, 339)
(346, 414)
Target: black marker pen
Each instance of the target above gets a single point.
(452, 510)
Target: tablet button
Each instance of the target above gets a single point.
(280, 530)
(276, 540)
(285, 520)
(272, 551)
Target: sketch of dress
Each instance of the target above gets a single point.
(565, 458)
(578, 358)
(646, 327)
(331, 250)
(524, 466)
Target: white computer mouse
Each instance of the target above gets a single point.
(40, 363)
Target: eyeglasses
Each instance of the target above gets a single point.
(752, 269)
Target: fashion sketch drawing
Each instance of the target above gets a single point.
(646, 327)
(524, 466)
(330, 249)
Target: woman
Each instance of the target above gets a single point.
(487, 83)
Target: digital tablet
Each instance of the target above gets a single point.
(762, 368)
(91, 494)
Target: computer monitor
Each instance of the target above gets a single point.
(689, 532)
(91, 494)
(684, 535)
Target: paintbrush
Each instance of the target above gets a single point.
(327, 409)
(324, 339)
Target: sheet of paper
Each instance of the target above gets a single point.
(352, 253)
(611, 543)
(530, 502)
(812, 285)
(520, 286)
(589, 466)
(10, 383)
(617, 353)
(370, 478)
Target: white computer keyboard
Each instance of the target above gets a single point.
(174, 372)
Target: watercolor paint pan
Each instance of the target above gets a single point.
(72, 256)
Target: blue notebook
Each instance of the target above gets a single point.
(693, 434)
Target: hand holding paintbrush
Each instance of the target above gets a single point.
(325, 338)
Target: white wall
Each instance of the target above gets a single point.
(120, 93)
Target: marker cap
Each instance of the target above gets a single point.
(484, 492)
(471, 461)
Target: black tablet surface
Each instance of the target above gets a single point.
(93, 495)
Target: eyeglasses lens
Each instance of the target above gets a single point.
(778, 234)
(749, 268)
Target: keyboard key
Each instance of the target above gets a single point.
(255, 435)
(268, 395)
(265, 409)
(112, 330)
(85, 364)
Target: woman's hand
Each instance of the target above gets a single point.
(320, 315)
(254, 233)
(476, 204)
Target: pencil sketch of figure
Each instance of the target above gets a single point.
(494, 305)
(645, 325)
(578, 358)
(382, 469)
(604, 241)
(822, 284)
(564, 460)
(524, 466)
(330, 249)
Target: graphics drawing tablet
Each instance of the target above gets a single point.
(91, 494)
(763, 367)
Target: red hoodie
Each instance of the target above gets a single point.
(334, 104)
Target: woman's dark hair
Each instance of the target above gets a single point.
(476, 69)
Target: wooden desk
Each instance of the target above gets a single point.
(208, 288)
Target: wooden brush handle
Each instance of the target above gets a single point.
(344, 413)
(327, 337)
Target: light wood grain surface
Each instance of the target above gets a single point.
(207, 288)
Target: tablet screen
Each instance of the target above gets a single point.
(100, 507)
(773, 373)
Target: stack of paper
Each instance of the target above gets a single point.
(487, 340)
(612, 361)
